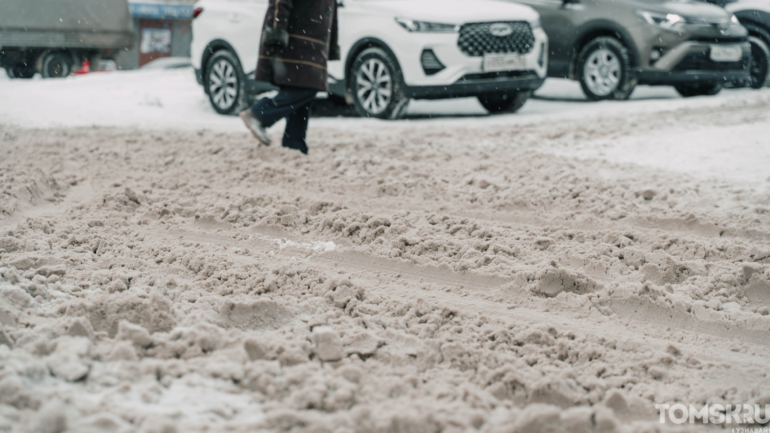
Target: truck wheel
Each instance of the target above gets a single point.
(690, 90)
(378, 90)
(24, 72)
(224, 82)
(760, 63)
(498, 103)
(56, 65)
(604, 70)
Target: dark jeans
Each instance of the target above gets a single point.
(293, 103)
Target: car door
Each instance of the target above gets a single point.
(558, 18)
(344, 11)
(244, 19)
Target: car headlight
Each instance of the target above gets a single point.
(426, 27)
(666, 21)
(734, 20)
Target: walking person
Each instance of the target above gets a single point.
(298, 38)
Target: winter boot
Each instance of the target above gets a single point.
(255, 126)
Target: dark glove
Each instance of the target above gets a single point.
(334, 53)
(275, 38)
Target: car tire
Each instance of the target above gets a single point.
(225, 83)
(760, 63)
(690, 90)
(56, 65)
(604, 70)
(500, 103)
(377, 85)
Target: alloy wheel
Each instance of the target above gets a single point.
(374, 86)
(223, 84)
(602, 72)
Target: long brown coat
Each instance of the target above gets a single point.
(299, 37)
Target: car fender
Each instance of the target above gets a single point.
(596, 28)
(753, 8)
(361, 45)
(213, 47)
(756, 22)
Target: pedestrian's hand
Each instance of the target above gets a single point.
(334, 53)
(275, 38)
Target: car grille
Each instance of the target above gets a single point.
(721, 40)
(490, 76)
(477, 40)
(702, 62)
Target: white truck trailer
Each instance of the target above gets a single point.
(54, 37)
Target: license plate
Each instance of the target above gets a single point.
(726, 54)
(504, 62)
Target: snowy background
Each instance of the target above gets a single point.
(160, 99)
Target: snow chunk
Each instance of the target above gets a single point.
(328, 344)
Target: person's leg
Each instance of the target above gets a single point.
(296, 129)
(288, 100)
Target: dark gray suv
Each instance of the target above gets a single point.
(610, 46)
(755, 16)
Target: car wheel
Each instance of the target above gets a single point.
(604, 70)
(509, 102)
(23, 72)
(760, 63)
(690, 90)
(56, 65)
(225, 83)
(377, 87)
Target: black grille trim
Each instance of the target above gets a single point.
(476, 40)
(721, 40)
(702, 62)
(490, 76)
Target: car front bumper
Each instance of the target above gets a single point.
(685, 77)
(690, 62)
(479, 84)
(463, 74)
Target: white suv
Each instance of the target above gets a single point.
(392, 51)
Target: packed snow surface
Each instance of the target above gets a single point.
(563, 269)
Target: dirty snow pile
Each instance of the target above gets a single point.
(403, 278)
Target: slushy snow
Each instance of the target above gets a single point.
(563, 269)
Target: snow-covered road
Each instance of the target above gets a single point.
(562, 269)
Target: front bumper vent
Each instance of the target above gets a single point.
(541, 57)
(702, 62)
(430, 63)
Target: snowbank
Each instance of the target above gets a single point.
(173, 100)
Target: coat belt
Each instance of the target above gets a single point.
(305, 38)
